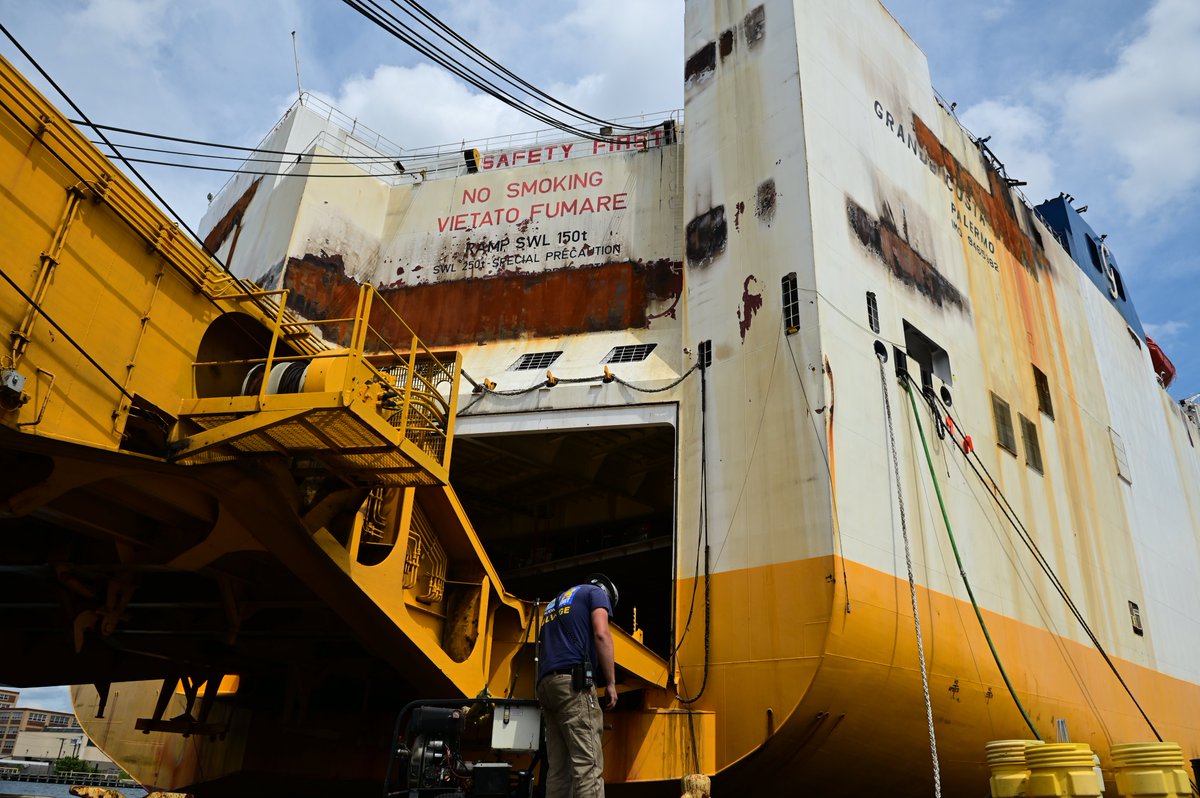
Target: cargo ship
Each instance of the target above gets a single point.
(877, 451)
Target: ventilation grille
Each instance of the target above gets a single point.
(1033, 449)
(629, 354)
(1005, 436)
(1045, 404)
(1135, 616)
(1122, 458)
(535, 361)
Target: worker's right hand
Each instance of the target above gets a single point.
(610, 697)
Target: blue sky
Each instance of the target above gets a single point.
(1098, 98)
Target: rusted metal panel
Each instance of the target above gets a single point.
(567, 214)
(609, 296)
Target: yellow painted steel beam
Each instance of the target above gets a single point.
(236, 430)
(639, 660)
(72, 148)
(93, 175)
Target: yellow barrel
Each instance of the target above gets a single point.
(1006, 758)
(1150, 769)
(1062, 770)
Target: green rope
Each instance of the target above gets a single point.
(962, 571)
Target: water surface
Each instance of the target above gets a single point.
(30, 789)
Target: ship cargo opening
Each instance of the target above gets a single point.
(552, 506)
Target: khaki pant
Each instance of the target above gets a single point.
(574, 725)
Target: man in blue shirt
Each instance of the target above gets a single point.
(576, 658)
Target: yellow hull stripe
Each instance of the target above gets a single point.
(784, 653)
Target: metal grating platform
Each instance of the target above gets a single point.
(360, 446)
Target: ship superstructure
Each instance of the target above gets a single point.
(793, 370)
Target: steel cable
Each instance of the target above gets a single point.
(961, 569)
(1010, 515)
(912, 584)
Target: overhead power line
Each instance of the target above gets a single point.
(552, 110)
(231, 170)
(294, 157)
(201, 143)
(434, 39)
(511, 78)
(404, 33)
(299, 158)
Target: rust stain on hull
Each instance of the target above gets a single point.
(608, 296)
(995, 200)
(230, 222)
(751, 304)
(885, 241)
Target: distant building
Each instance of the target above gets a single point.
(14, 720)
(53, 744)
(8, 698)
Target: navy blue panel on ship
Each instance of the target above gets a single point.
(1092, 254)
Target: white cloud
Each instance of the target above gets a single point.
(1165, 331)
(608, 58)
(1145, 110)
(996, 10)
(1122, 137)
(54, 698)
(1132, 127)
(124, 23)
(1019, 136)
(629, 53)
(423, 105)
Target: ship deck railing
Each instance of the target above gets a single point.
(361, 143)
(382, 409)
